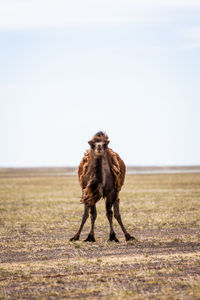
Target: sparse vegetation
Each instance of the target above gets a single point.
(39, 213)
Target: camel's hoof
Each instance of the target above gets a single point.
(113, 238)
(130, 238)
(90, 238)
(74, 238)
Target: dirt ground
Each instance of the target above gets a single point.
(39, 214)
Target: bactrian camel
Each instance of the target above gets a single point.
(101, 175)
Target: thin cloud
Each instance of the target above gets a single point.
(192, 33)
(191, 37)
(32, 14)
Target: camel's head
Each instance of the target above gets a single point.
(99, 143)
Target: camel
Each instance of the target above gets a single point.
(101, 174)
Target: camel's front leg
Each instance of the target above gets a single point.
(84, 218)
(117, 215)
(93, 215)
(109, 214)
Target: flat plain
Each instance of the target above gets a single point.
(40, 211)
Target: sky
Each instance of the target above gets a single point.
(71, 68)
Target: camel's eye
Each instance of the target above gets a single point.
(104, 146)
(93, 146)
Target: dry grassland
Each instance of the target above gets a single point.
(39, 213)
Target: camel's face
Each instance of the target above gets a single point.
(99, 148)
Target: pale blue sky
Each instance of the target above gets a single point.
(71, 68)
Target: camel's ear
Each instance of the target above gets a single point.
(91, 144)
(106, 144)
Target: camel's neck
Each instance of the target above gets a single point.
(98, 161)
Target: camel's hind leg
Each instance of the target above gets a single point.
(109, 214)
(84, 218)
(93, 215)
(117, 215)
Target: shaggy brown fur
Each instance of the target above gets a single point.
(118, 169)
(101, 175)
